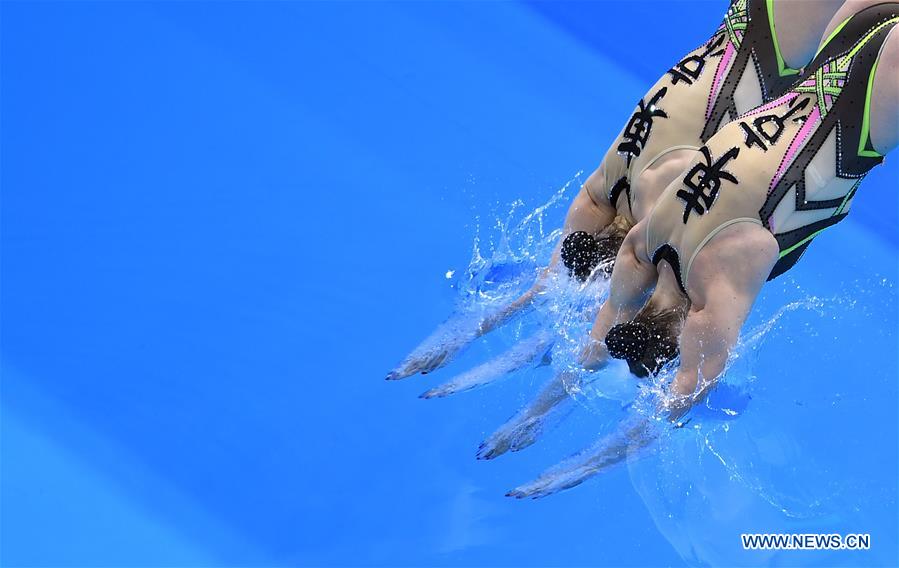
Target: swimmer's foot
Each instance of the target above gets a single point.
(523, 354)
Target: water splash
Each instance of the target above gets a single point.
(504, 263)
(760, 446)
(784, 441)
(518, 246)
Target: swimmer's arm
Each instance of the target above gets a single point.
(520, 355)
(725, 280)
(590, 211)
(458, 332)
(632, 436)
(711, 330)
(517, 307)
(708, 336)
(585, 214)
(633, 279)
(523, 429)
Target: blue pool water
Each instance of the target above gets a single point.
(223, 223)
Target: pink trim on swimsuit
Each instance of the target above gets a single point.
(814, 118)
(766, 107)
(720, 72)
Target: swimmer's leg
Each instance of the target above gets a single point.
(521, 355)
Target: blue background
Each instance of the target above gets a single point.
(223, 223)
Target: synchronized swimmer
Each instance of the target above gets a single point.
(728, 168)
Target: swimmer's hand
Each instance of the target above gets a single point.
(551, 405)
(519, 306)
(446, 342)
(523, 429)
(519, 356)
(429, 357)
(455, 334)
(627, 441)
(516, 435)
(611, 450)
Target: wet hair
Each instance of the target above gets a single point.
(649, 341)
(582, 252)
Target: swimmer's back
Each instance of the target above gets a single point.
(731, 73)
(792, 165)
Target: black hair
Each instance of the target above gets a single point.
(649, 341)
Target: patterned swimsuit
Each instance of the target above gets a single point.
(737, 69)
(792, 165)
